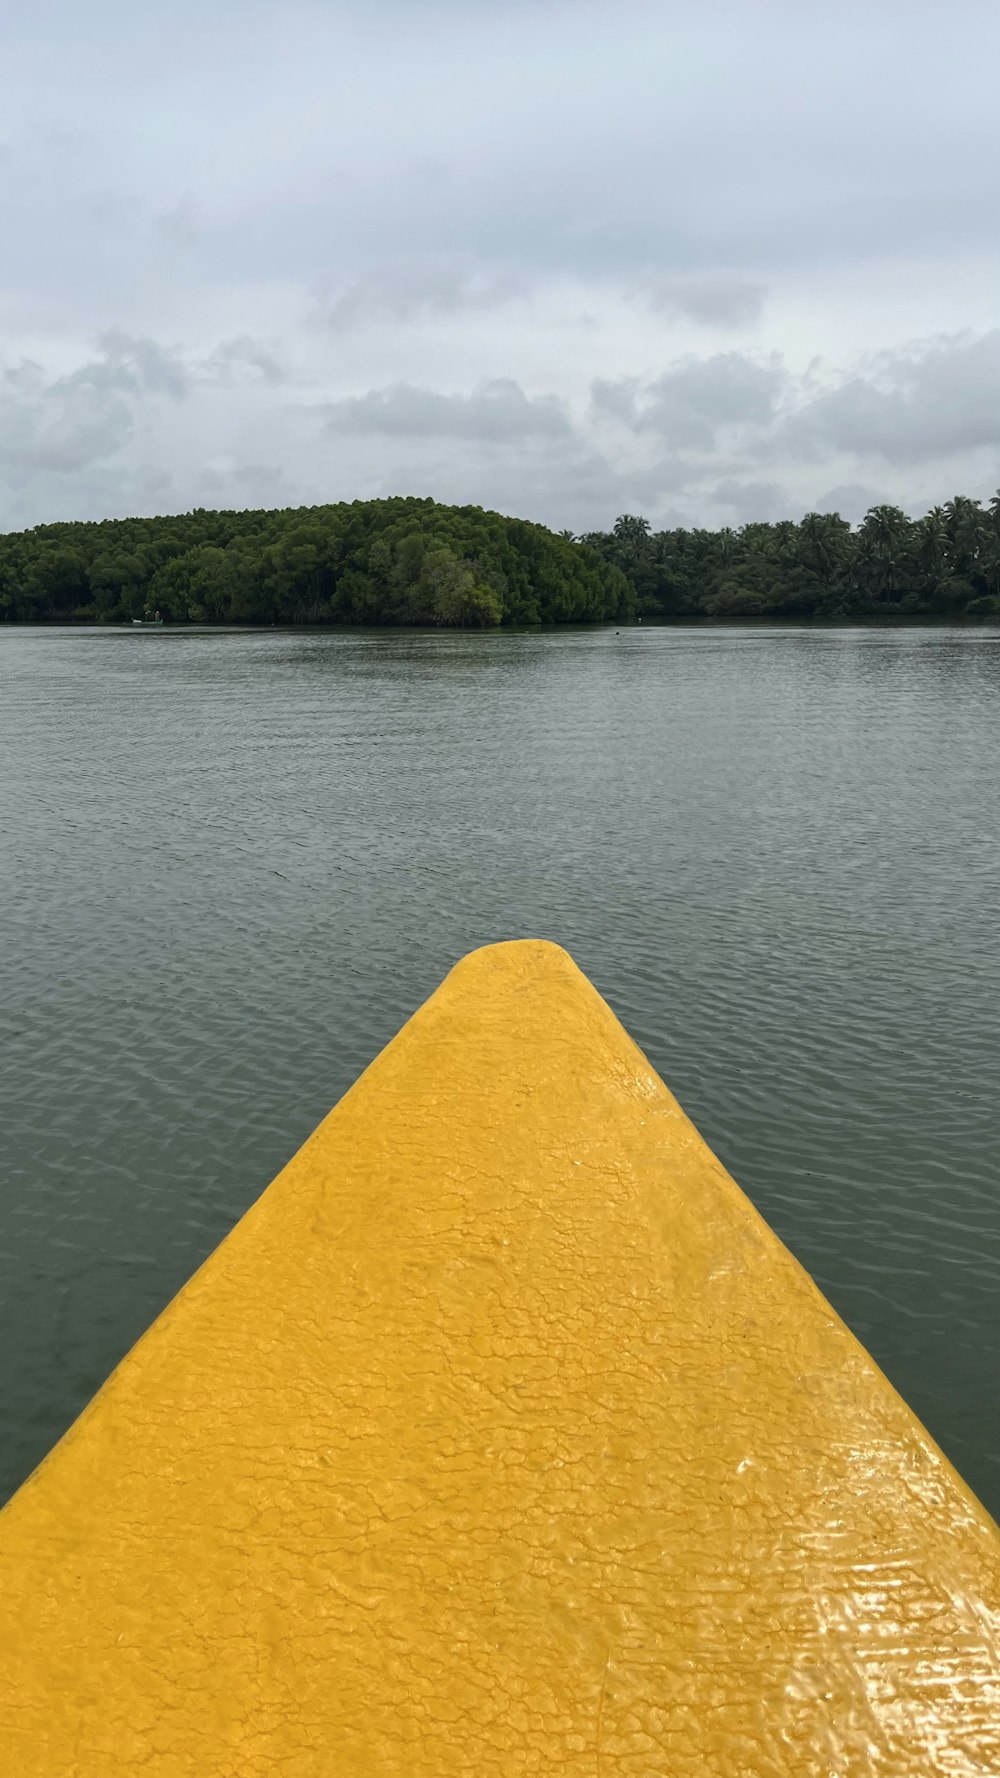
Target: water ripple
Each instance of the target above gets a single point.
(234, 862)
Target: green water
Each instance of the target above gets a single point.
(232, 863)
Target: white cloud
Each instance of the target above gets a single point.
(753, 500)
(931, 399)
(690, 404)
(409, 289)
(715, 301)
(65, 423)
(243, 356)
(498, 411)
(502, 253)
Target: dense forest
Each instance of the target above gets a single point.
(371, 562)
(945, 565)
(414, 562)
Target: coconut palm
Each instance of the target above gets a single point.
(932, 543)
(825, 536)
(966, 533)
(882, 539)
(632, 534)
(727, 544)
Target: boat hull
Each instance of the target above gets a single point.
(501, 1436)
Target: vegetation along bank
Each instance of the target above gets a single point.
(414, 562)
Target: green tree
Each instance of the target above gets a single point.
(412, 561)
(454, 594)
(632, 536)
(882, 542)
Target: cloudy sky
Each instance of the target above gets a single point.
(561, 257)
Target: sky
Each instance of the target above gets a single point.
(563, 258)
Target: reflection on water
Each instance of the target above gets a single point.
(233, 863)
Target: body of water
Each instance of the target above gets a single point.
(232, 863)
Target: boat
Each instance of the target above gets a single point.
(148, 622)
(501, 1435)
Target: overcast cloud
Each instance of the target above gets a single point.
(563, 257)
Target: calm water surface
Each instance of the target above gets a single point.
(232, 863)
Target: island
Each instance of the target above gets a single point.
(416, 562)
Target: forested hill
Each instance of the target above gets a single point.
(415, 562)
(371, 562)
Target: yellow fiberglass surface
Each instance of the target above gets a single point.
(500, 1437)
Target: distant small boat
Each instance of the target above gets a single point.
(148, 623)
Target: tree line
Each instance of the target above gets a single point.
(414, 562)
(945, 565)
(368, 562)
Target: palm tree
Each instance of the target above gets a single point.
(932, 545)
(825, 535)
(727, 539)
(990, 546)
(989, 560)
(882, 539)
(632, 534)
(964, 520)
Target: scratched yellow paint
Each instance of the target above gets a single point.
(501, 1437)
